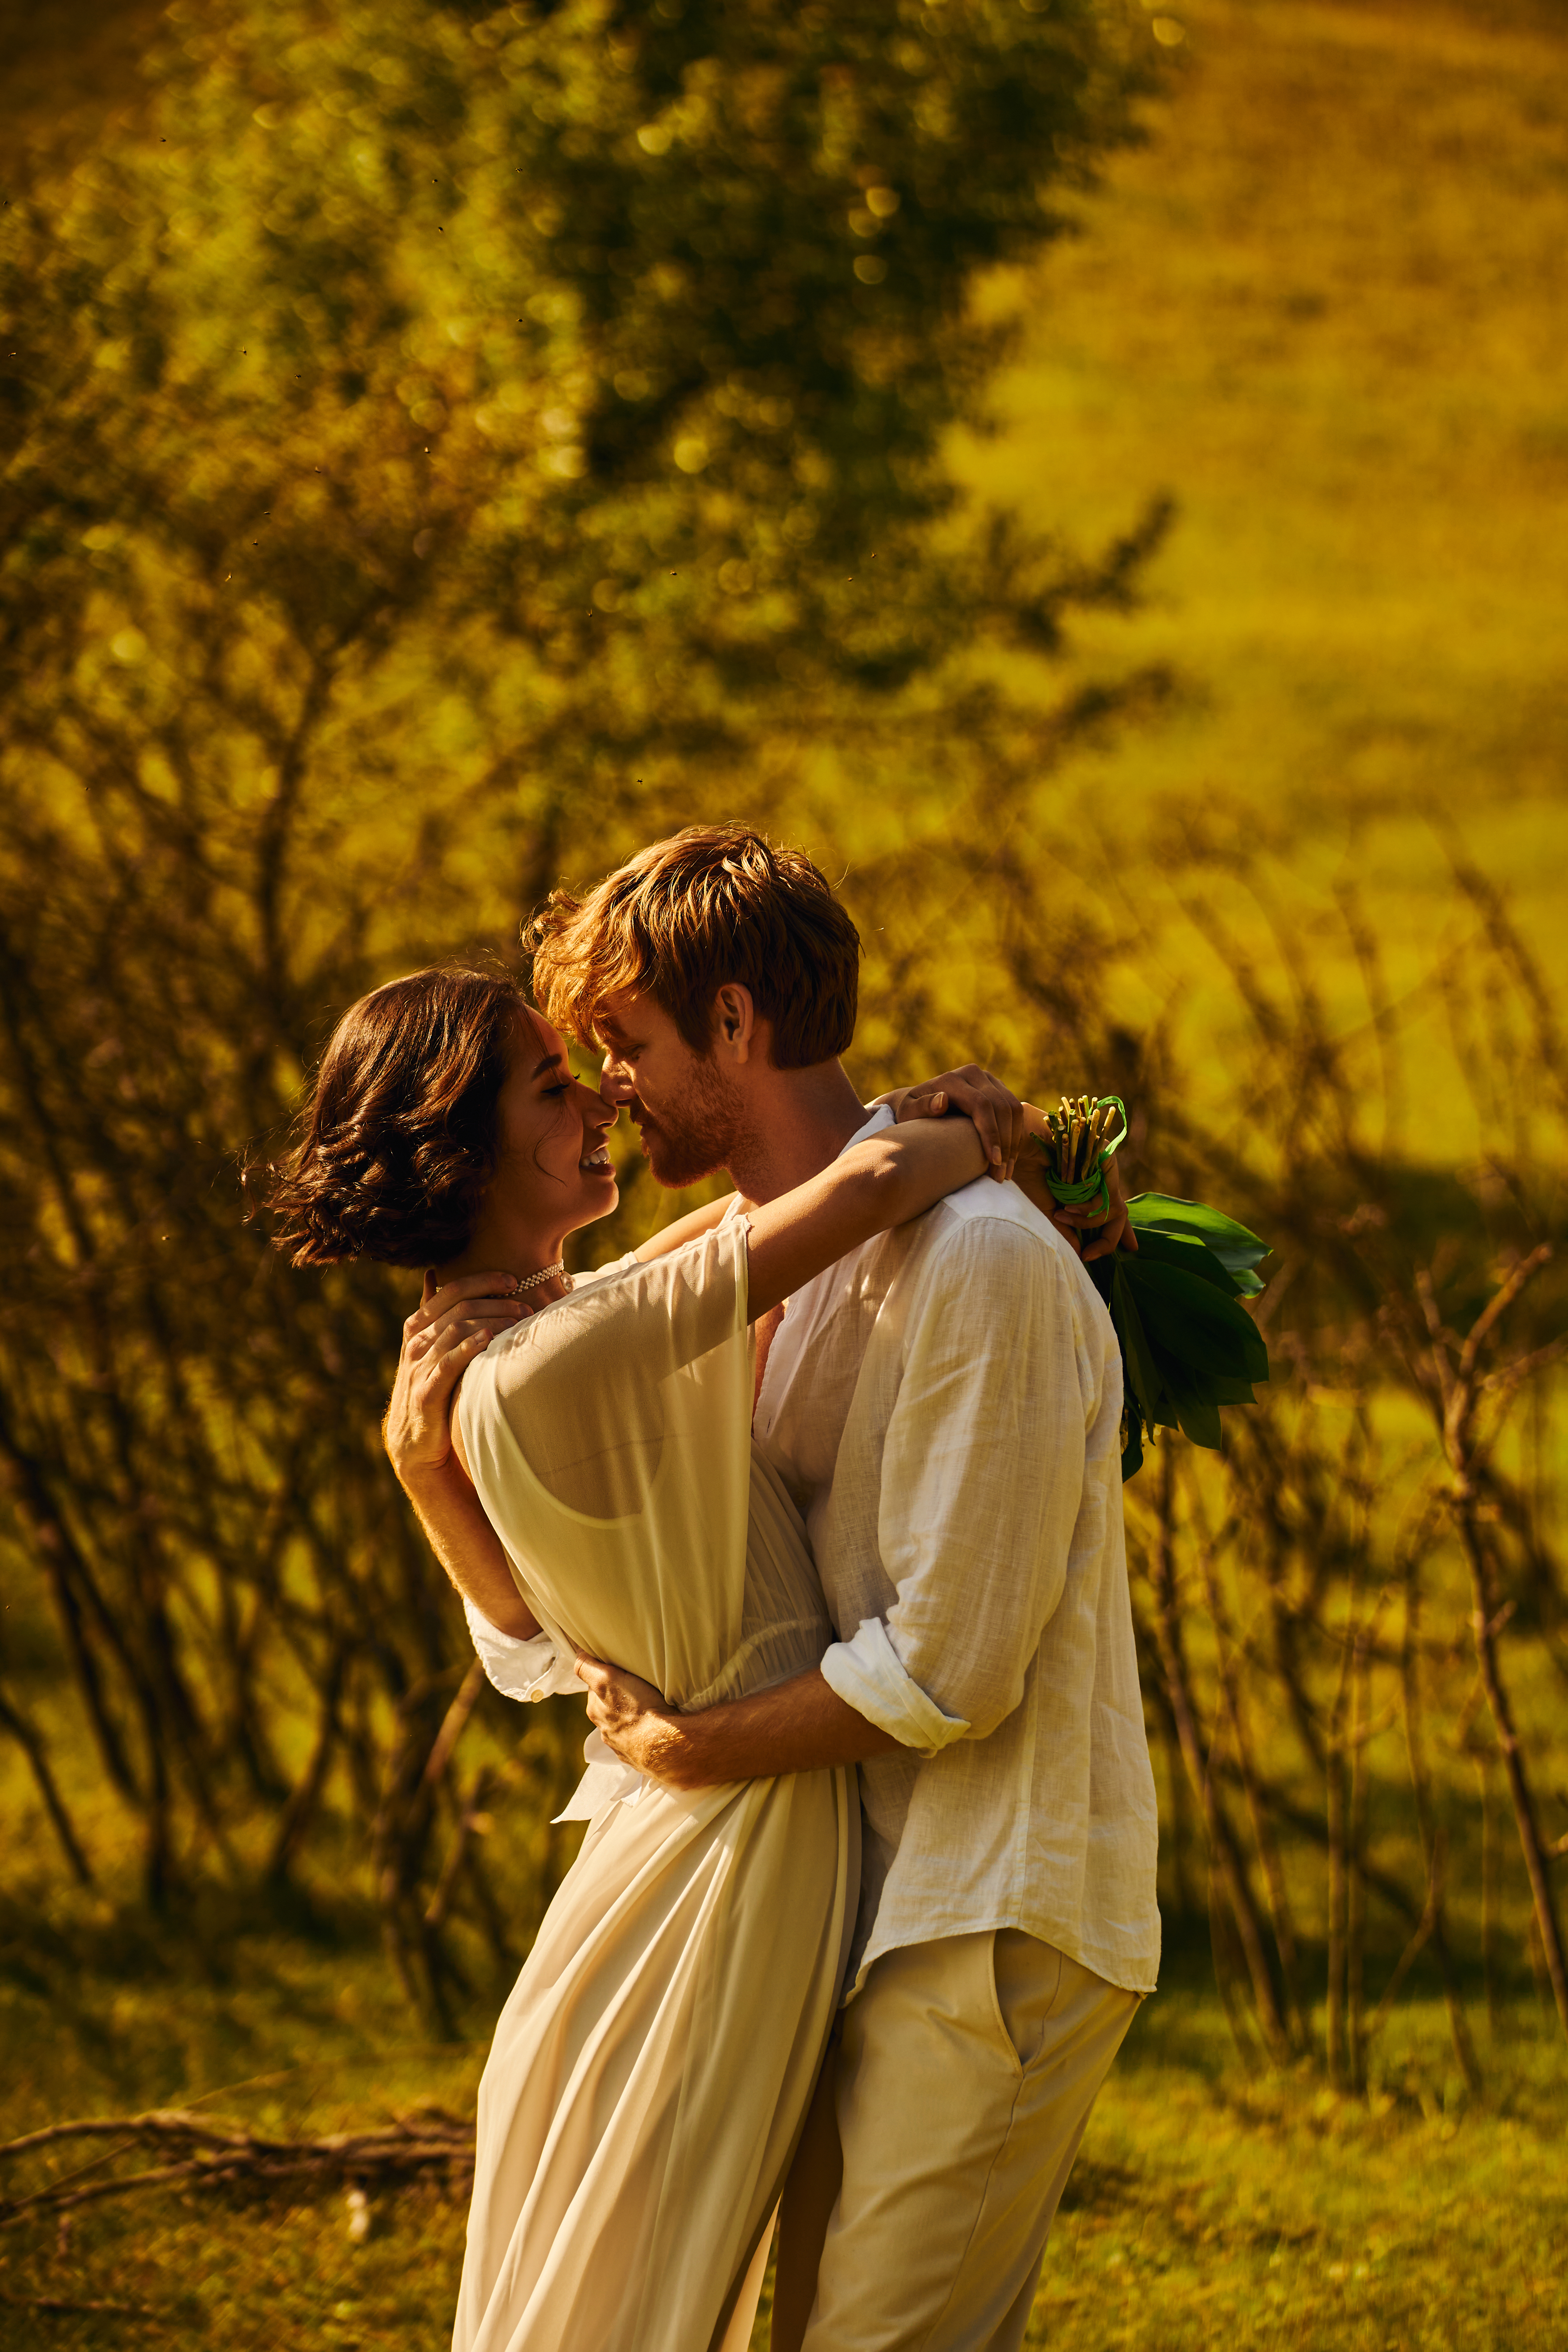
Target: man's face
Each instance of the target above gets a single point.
(691, 1115)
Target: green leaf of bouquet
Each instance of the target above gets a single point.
(1191, 1255)
(1147, 1385)
(1184, 1386)
(1193, 1323)
(1200, 1423)
(1174, 1379)
(1233, 1244)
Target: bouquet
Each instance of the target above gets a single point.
(1187, 1348)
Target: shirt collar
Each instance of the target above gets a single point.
(880, 1118)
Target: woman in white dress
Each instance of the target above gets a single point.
(653, 2066)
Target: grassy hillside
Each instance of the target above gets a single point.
(1324, 308)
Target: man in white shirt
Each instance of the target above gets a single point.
(945, 1407)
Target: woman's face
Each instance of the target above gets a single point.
(552, 1167)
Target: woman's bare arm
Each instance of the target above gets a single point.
(467, 1547)
(446, 1331)
(684, 1228)
(868, 1190)
(969, 1093)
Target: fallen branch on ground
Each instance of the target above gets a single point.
(60, 2305)
(210, 2154)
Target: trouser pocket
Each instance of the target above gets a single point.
(1026, 1979)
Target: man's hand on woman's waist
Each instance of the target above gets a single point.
(798, 1725)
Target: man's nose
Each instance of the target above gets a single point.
(616, 1084)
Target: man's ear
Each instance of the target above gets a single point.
(734, 1022)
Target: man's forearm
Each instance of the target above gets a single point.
(800, 1726)
(469, 1548)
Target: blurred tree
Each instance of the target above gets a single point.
(440, 449)
(437, 450)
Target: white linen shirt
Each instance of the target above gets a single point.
(945, 1405)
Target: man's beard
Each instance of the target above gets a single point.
(697, 1136)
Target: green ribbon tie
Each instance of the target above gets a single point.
(1072, 1196)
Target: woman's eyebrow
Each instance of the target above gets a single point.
(551, 1062)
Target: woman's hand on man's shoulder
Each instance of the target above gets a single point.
(999, 1117)
(453, 1324)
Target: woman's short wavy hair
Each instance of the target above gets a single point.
(399, 1140)
(712, 904)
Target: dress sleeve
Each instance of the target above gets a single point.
(587, 1387)
(602, 1273)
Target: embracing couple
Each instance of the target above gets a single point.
(866, 1903)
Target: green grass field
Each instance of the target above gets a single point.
(1209, 2204)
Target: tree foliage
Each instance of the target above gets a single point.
(441, 448)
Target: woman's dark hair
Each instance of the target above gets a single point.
(400, 1134)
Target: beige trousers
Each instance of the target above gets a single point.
(961, 2083)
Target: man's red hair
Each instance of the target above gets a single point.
(712, 904)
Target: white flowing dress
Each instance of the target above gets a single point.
(652, 2068)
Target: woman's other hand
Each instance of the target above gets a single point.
(974, 1094)
(1096, 1233)
(446, 1330)
(1093, 1232)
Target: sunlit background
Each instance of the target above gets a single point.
(1095, 475)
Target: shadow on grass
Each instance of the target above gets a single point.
(106, 2003)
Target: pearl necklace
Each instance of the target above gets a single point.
(545, 1273)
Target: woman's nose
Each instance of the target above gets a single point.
(596, 1110)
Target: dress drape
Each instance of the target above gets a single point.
(652, 2067)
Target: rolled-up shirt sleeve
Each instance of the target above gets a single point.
(981, 1475)
(528, 1669)
(869, 1675)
